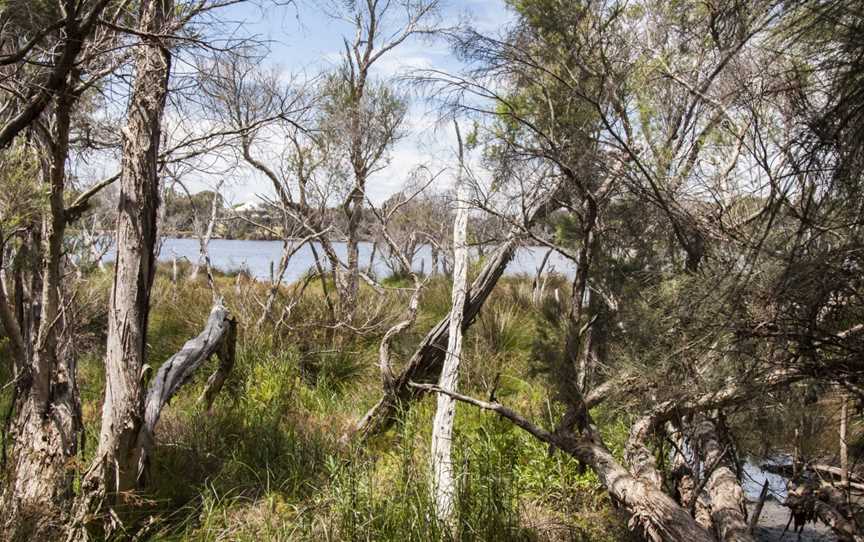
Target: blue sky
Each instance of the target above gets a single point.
(302, 38)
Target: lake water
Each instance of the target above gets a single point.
(256, 257)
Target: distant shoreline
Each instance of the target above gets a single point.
(175, 235)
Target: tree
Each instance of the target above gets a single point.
(120, 460)
(365, 114)
(443, 483)
(45, 417)
(564, 91)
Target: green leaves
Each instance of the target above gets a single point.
(22, 198)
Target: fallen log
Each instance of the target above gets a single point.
(655, 512)
(845, 528)
(218, 337)
(725, 496)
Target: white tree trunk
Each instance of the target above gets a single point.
(442, 428)
(204, 239)
(844, 448)
(426, 361)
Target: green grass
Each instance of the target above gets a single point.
(267, 462)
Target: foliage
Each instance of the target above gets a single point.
(22, 197)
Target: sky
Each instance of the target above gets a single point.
(304, 39)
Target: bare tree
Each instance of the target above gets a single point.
(443, 483)
(365, 114)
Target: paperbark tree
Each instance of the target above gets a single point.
(425, 362)
(45, 78)
(259, 108)
(38, 488)
(364, 115)
(660, 517)
(118, 463)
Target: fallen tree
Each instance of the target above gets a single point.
(659, 516)
(218, 337)
(425, 363)
(713, 508)
(725, 497)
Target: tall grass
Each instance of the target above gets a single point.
(267, 463)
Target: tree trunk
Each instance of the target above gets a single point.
(444, 485)
(349, 278)
(725, 496)
(204, 240)
(117, 463)
(218, 337)
(661, 518)
(38, 487)
(844, 447)
(757, 510)
(539, 281)
(275, 282)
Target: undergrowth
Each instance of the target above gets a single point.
(267, 462)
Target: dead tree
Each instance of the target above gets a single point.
(206, 235)
(443, 483)
(365, 115)
(218, 337)
(405, 259)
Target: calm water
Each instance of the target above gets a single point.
(257, 256)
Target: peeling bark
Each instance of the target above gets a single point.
(115, 469)
(218, 337)
(725, 496)
(38, 485)
(227, 355)
(843, 527)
